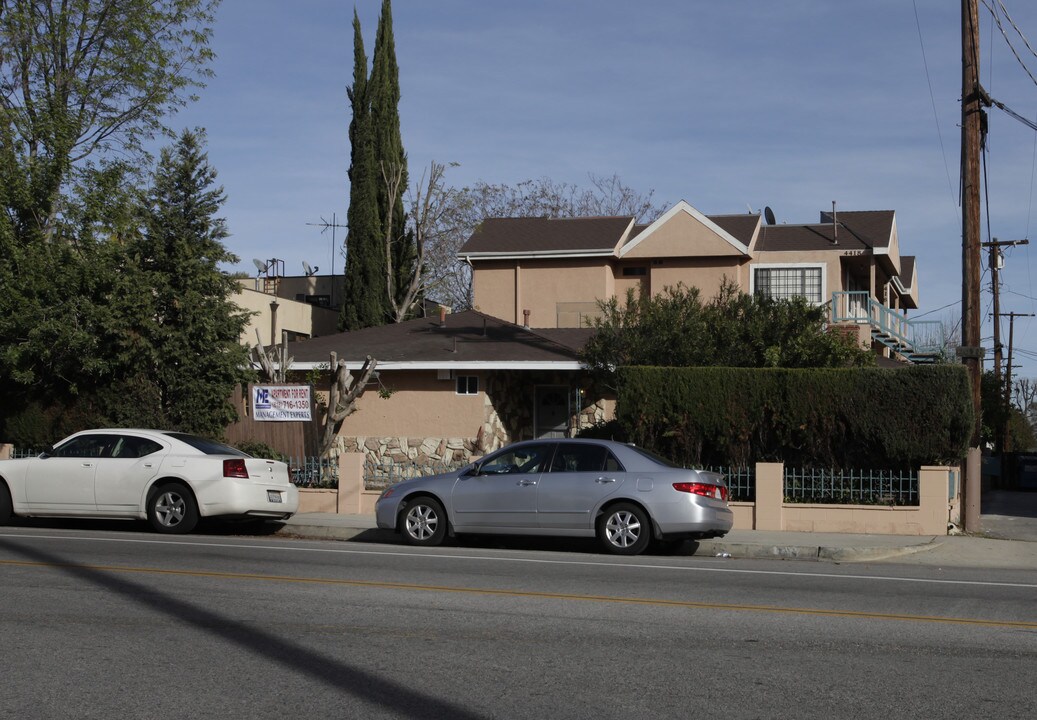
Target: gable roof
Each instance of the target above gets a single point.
(592, 236)
(684, 211)
(468, 340)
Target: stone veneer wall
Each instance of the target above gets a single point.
(508, 417)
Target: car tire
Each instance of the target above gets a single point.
(172, 509)
(6, 508)
(423, 522)
(624, 529)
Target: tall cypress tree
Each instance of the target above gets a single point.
(365, 295)
(388, 147)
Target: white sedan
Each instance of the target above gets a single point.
(171, 479)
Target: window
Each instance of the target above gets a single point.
(467, 384)
(209, 447)
(85, 446)
(782, 283)
(522, 459)
(634, 271)
(134, 447)
(580, 457)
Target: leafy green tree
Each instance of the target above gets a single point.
(86, 81)
(365, 299)
(998, 417)
(676, 329)
(189, 329)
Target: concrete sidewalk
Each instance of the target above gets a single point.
(949, 551)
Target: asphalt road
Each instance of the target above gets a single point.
(99, 624)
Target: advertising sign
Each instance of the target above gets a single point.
(281, 402)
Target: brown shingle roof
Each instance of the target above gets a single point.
(858, 230)
(875, 227)
(469, 336)
(740, 227)
(524, 235)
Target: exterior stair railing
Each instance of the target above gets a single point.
(918, 341)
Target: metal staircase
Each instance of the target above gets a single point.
(916, 341)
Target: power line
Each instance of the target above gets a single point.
(936, 115)
(997, 20)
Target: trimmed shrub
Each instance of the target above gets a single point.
(831, 417)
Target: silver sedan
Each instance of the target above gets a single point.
(620, 493)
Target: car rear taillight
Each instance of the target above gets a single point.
(717, 492)
(235, 468)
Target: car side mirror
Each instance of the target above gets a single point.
(47, 451)
(474, 470)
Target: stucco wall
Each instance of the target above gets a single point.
(420, 405)
(295, 317)
(706, 274)
(541, 285)
(683, 236)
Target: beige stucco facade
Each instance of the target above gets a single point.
(271, 315)
(544, 287)
(681, 247)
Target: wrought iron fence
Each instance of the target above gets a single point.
(381, 473)
(19, 453)
(741, 482)
(314, 472)
(851, 487)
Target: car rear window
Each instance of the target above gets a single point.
(209, 447)
(654, 458)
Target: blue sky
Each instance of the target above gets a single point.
(726, 105)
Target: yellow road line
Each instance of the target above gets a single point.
(657, 602)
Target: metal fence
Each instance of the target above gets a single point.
(19, 453)
(314, 472)
(741, 482)
(851, 487)
(380, 474)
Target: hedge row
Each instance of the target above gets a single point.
(825, 418)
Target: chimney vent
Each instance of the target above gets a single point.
(835, 225)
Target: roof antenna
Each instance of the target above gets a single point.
(835, 225)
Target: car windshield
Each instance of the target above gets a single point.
(655, 458)
(209, 447)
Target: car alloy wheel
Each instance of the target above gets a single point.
(172, 509)
(625, 529)
(424, 522)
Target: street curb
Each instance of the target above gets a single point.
(703, 548)
(719, 548)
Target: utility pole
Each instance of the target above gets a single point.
(971, 350)
(995, 266)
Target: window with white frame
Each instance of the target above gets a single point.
(782, 283)
(467, 384)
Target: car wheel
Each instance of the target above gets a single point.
(172, 509)
(624, 529)
(423, 522)
(5, 505)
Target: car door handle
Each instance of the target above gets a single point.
(604, 480)
(88, 464)
(526, 482)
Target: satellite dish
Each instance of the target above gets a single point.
(307, 268)
(768, 215)
(260, 265)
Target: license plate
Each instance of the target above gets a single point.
(273, 496)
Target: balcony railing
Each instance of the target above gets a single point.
(916, 340)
